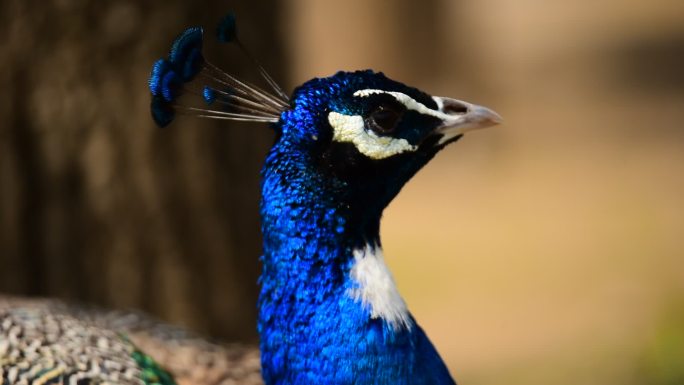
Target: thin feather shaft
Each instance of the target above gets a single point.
(263, 73)
(250, 87)
(228, 114)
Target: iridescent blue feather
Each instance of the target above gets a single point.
(232, 99)
(186, 53)
(209, 94)
(159, 69)
(170, 85)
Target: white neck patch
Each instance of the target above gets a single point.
(376, 288)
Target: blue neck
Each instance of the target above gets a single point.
(312, 331)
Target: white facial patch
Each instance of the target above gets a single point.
(351, 129)
(376, 288)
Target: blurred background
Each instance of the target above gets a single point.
(546, 250)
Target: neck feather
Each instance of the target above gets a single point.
(329, 311)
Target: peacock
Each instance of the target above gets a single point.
(329, 309)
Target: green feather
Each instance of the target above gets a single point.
(151, 372)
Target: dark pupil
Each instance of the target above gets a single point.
(384, 119)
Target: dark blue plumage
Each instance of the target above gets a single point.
(186, 53)
(329, 312)
(314, 215)
(164, 81)
(164, 85)
(162, 112)
(159, 69)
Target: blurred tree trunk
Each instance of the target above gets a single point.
(98, 205)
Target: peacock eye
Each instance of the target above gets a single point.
(384, 118)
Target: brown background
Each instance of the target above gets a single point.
(546, 250)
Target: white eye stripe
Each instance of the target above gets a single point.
(407, 101)
(351, 129)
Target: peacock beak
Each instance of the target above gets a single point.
(459, 117)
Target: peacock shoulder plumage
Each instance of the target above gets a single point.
(50, 342)
(42, 346)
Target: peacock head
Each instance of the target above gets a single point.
(362, 133)
(374, 133)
